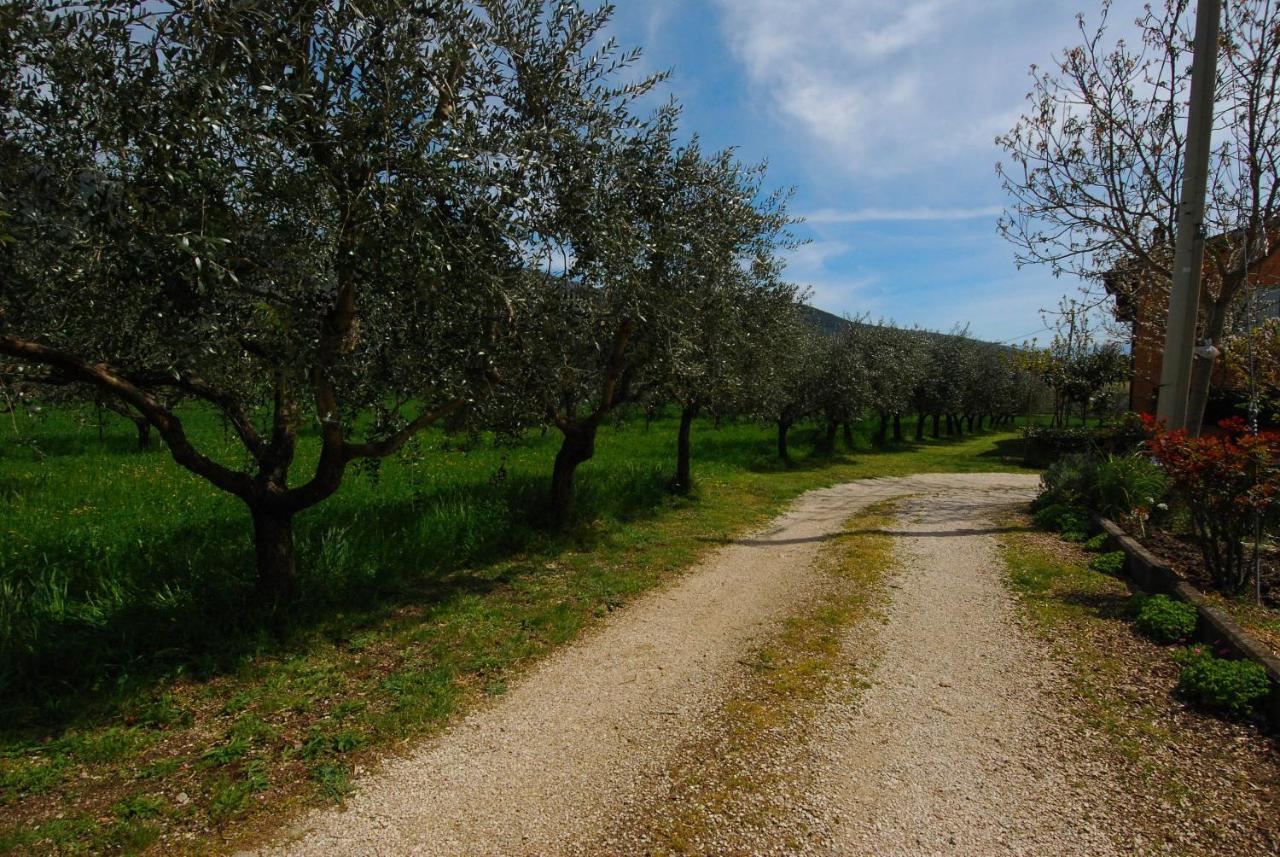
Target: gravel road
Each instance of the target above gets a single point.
(941, 755)
(957, 747)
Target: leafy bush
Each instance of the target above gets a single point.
(1108, 563)
(1073, 522)
(1069, 480)
(1046, 444)
(1164, 619)
(1098, 543)
(1225, 480)
(1221, 684)
(1128, 484)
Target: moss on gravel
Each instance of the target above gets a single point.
(735, 776)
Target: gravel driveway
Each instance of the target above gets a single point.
(941, 755)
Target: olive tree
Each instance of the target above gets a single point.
(940, 390)
(841, 384)
(726, 292)
(787, 384)
(896, 361)
(588, 332)
(293, 215)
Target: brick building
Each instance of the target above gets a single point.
(1146, 309)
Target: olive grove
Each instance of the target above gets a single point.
(350, 222)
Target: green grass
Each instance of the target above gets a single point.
(1071, 603)
(128, 654)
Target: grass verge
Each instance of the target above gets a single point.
(154, 714)
(1187, 782)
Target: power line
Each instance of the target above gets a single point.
(1024, 336)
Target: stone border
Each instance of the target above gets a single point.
(1150, 574)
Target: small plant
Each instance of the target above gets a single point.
(333, 778)
(1097, 544)
(1073, 522)
(1111, 562)
(1165, 619)
(1126, 483)
(1069, 481)
(1220, 684)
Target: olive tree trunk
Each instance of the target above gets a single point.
(579, 445)
(684, 479)
(274, 550)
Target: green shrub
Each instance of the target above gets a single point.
(1070, 480)
(1066, 519)
(1164, 619)
(1127, 482)
(1046, 444)
(1111, 562)
(1224, 685)
(1097, 544)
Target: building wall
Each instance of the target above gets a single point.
(1147, 342)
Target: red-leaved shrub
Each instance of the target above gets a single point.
(1225, 479)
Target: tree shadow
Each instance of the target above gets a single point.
(961, 532)
(92, 636)
(1009, 450)
(1104, 605)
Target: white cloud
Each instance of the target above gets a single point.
(883, 88)
(813, 257)
(842, 296)
(869, 215)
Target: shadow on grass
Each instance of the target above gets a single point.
(83, 638)
(1104, 605)
(83, 628)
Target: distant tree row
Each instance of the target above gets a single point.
(361, 220)
(892, 372)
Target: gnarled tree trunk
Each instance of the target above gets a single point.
(829, 442)
(274, 550)
(579, 445)
(784, 426)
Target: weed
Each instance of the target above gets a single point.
(1112, 562)
(139, 806)
(1164, 619)
(226, 753)
(333, 778)
(1231, 686)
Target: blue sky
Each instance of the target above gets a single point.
(882, 114)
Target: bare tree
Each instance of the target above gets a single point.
(1095, 162)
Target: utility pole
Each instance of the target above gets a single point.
(1188, 255)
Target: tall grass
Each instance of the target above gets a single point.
(117, 565)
